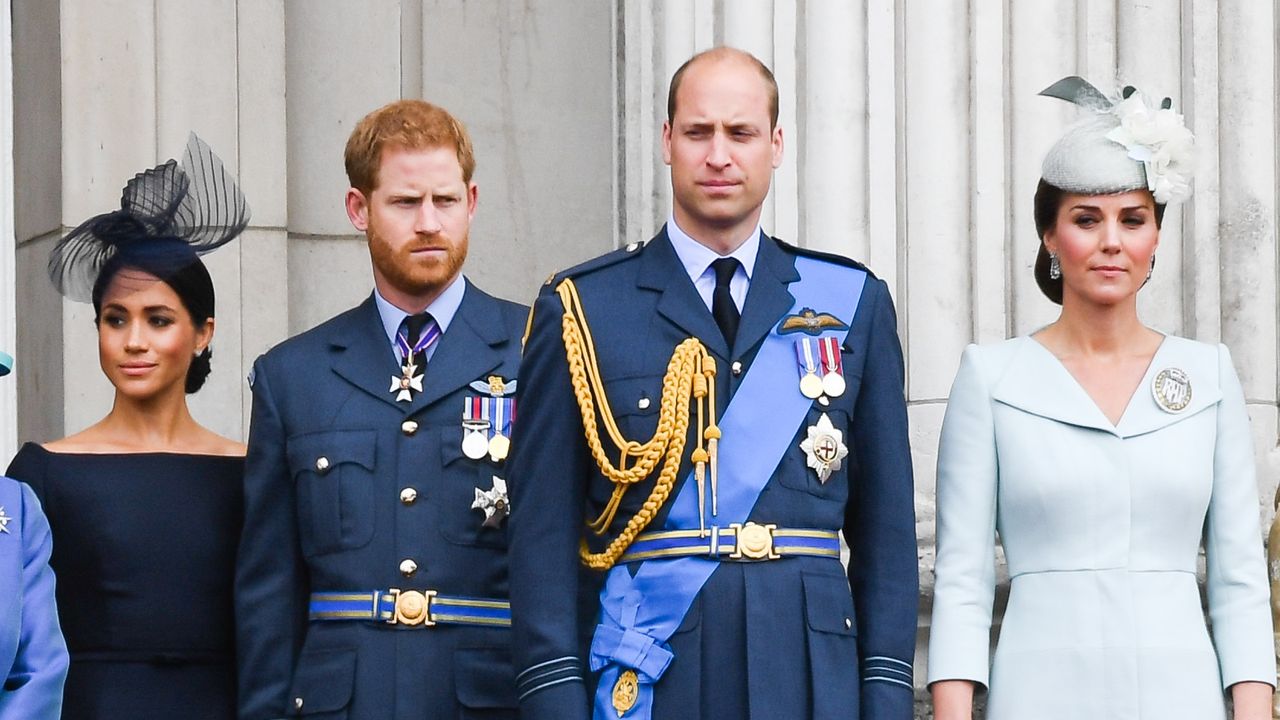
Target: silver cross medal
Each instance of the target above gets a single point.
(824, 448)
(406, 382)
(4, 521)
(493, 502)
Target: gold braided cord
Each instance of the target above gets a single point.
(690, 371)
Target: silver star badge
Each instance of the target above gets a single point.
(493, 502)
(403, 384)
(824, 448)
(4, 521)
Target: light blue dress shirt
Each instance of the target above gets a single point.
(442, 310)
(697, 258)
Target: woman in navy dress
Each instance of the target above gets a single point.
(145, 505)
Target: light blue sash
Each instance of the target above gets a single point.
(639, 613)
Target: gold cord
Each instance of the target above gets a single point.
(690, 375)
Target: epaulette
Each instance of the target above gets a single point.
(596, 263)
(832, 257)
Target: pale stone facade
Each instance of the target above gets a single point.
(913, 136)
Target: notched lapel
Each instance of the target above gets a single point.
(680, 303)
(468, 350)
(768, 297)
(363, 355)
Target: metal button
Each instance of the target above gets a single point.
(736, 368)
(408, 495)
(409, 427)
(633, 247)
(322, 464)
(644, 403)
(848, 623)
(297, 703)
(408, 567)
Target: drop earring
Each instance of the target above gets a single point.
(1151, 269)
(1055, 267)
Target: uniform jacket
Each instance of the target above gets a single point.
(324, 394)
(763, 640)
(1101, 526)
(33, 655)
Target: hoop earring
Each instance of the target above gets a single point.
(1055, 267)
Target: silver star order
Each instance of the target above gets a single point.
(4, 521)
(824, 448)
(402, 384)
(493, 502)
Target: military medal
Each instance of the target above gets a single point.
(500, 444)
(410, 380)
(810, 383)
(1172, 390)
(493, 503)
(824, 448)
(832, 367)
(626, 691)
(4, 521)
(475, 428)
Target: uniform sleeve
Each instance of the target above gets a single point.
(964, 574)
(1239, 598)
(880, 522)
(33, 688)
(271, 582)
(546, 479)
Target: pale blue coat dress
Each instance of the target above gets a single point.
(1101, 526)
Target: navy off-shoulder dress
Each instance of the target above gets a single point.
(144, 552)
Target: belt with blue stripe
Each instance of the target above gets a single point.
(751, 542)
(411, 608)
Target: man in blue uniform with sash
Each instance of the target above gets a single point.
(372, 579)
(702, 416)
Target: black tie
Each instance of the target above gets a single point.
(413, 326)
(722, 307)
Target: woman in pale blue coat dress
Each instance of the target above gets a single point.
(1104, 453)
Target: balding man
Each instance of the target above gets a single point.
(702, 417)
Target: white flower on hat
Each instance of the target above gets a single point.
(1158, 139)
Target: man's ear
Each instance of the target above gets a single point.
(357, 209)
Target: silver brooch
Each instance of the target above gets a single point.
(1172, 390)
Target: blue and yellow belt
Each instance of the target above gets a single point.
(751, 542)
(424, 608)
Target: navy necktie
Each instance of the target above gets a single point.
(723, 308)
(413, 327)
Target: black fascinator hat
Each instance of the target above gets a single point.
(168, 217)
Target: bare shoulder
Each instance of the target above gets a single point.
(211, 443)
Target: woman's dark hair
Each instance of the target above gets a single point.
(188, 278)
(1048, 202)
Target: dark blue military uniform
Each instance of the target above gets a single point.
(349, 491)
(785, 638)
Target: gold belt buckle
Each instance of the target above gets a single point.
(413, 607)
(753, 542)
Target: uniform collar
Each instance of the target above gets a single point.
(696, 257)
(442, 309)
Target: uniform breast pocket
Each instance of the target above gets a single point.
(460, 511)
(824, 443)
(334, 473)
(635, 402)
